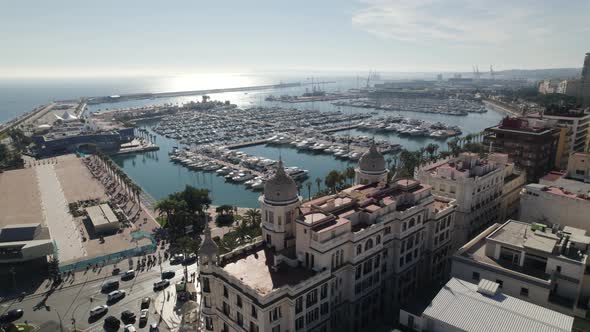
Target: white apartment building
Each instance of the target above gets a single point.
(535, 263)
(578, 167)
(477, 185)
(555, 205)
(342, 262)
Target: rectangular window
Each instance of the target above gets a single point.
(524, 291)
(254, 312)
(206, 287)
(207, 302)
(324, 308)
(312, 298)
(368, 267)
(359, 271)
(209, 323)
(240, 318)
(226, 310)
(225, 327)
(276, 328)
(299, 305)
(253, 327)
(324, 291)
(299, 324)
(387, 230)
(275, 314)
(225, 293)
(475, 276)
(239, 301)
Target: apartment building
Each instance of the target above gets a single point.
(341, 262)
(578, 167)
(532, 262)
(531, 145)
(485, 189)
(555, 205)
(575, 124)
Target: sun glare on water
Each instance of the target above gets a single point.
(207, 81)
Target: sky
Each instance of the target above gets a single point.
(111, 38)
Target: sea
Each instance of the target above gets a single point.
(159, 177)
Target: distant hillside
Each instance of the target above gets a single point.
(540, 74)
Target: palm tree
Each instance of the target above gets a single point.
(308, 185)
(349, 173)
(254, 216)
(318, 181)
(332, 180)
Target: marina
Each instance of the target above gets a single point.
(410, 127)
(256, 130)
(450, 106)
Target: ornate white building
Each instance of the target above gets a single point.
(336, 263)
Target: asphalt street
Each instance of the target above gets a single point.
(59, 310)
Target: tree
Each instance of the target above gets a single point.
(53, 268)
(332, 180)
(308, 185)
(408, 162)
(349, 173)
(166, 206)
(187, 246)
(431, 150)
(254, 217)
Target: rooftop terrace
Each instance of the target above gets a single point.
(254, 268)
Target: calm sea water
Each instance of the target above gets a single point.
(159, 177)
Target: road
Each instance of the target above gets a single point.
(57, 312)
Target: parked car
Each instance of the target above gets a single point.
(161, 284)
(145, 302)
(11, 315)
(99, 310)
(128, 275)
(127, 316)
(110, 285)
(116, 295)
(143, 315)
(129, 328)
(168, 274)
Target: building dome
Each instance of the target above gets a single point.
(372, 162)
(281, 188)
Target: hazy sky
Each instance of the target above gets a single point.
(63, 38)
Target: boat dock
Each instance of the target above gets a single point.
(247, 143)
(331, 130)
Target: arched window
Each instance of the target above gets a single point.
(337, 258)
(378, 239)
(368, 244)
(359, 249)
(412, 221)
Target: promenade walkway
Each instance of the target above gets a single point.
(62, 225)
